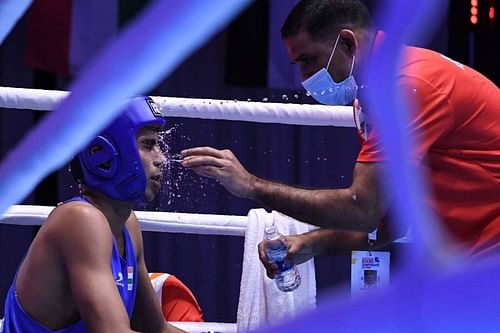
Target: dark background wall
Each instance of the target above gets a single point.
(245, 61)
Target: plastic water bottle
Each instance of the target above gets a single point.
(288, 278)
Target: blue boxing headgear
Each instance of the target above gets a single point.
(111, 162)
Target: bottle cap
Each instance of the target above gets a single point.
(271, 232)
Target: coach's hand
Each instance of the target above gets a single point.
(300, 250)
(221, 165)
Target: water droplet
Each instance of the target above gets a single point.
(265, 99)
(284, 97)
(296, 96)
(308, 93)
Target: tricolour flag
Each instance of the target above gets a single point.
(130, 278)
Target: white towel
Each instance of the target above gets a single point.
(261, 302)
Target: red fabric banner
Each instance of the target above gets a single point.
(49, 23)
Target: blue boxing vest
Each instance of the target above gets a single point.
(125, 274)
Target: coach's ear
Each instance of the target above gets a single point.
(348, 43)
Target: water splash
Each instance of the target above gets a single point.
(179, 185)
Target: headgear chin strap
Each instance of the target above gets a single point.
(111, 163)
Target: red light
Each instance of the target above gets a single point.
(474, 11)
(491, 13)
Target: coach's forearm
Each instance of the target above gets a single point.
(333, 208)
(333, 241)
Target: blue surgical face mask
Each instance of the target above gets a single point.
(326, 91)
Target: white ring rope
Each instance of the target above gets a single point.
(293, 114)
(203, 224)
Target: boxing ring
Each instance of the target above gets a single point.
(97, 96)
(296, 114)
(189, 223)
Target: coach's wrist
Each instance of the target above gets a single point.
(253, 186)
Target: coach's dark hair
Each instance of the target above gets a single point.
(323, 19)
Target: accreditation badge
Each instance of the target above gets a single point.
(369, 271)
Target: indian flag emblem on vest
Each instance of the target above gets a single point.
(130, 278)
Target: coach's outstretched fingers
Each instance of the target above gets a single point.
(221, 165)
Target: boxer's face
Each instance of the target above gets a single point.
(152, 159)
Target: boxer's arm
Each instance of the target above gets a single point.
(85, 244)
(147, 316)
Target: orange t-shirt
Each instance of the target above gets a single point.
(456, 122)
